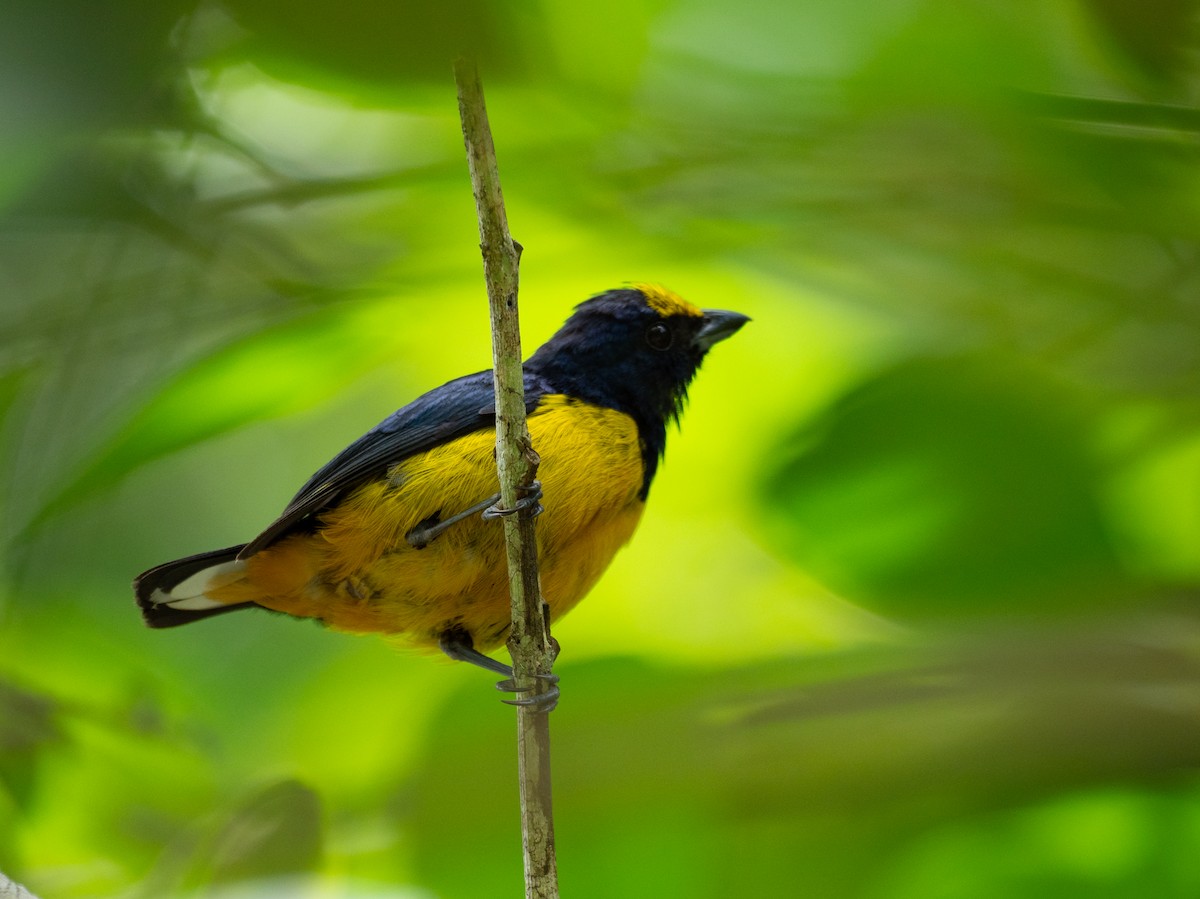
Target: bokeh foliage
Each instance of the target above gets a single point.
(913, 611)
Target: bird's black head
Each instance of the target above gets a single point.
(635, 350)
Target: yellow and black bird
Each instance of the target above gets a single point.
(387, 537)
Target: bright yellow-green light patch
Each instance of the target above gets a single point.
(1097, 836)
(358, 722)
(701, 593)
(1156, 508)
(308, 132)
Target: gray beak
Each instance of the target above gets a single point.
(718, 324)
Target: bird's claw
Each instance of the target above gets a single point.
(532, 496)
(544, 692)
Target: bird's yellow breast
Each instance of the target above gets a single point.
(357, 572)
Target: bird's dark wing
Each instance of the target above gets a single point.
(459, 407)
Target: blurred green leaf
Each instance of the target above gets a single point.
(278, 371)
(948, 486)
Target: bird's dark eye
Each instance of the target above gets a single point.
(659, 336)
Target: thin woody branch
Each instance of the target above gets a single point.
(529, 640)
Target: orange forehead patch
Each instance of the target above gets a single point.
(666, 302)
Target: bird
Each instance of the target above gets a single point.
(391, 537)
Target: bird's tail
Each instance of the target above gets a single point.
(175, 593)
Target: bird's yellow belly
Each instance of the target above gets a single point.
(356, 571)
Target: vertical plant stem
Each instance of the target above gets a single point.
(529, 640)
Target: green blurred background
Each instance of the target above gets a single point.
(913, 612)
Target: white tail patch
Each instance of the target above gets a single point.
(190, 593)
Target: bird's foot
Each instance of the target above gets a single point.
(541, 689)
(531, 496)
